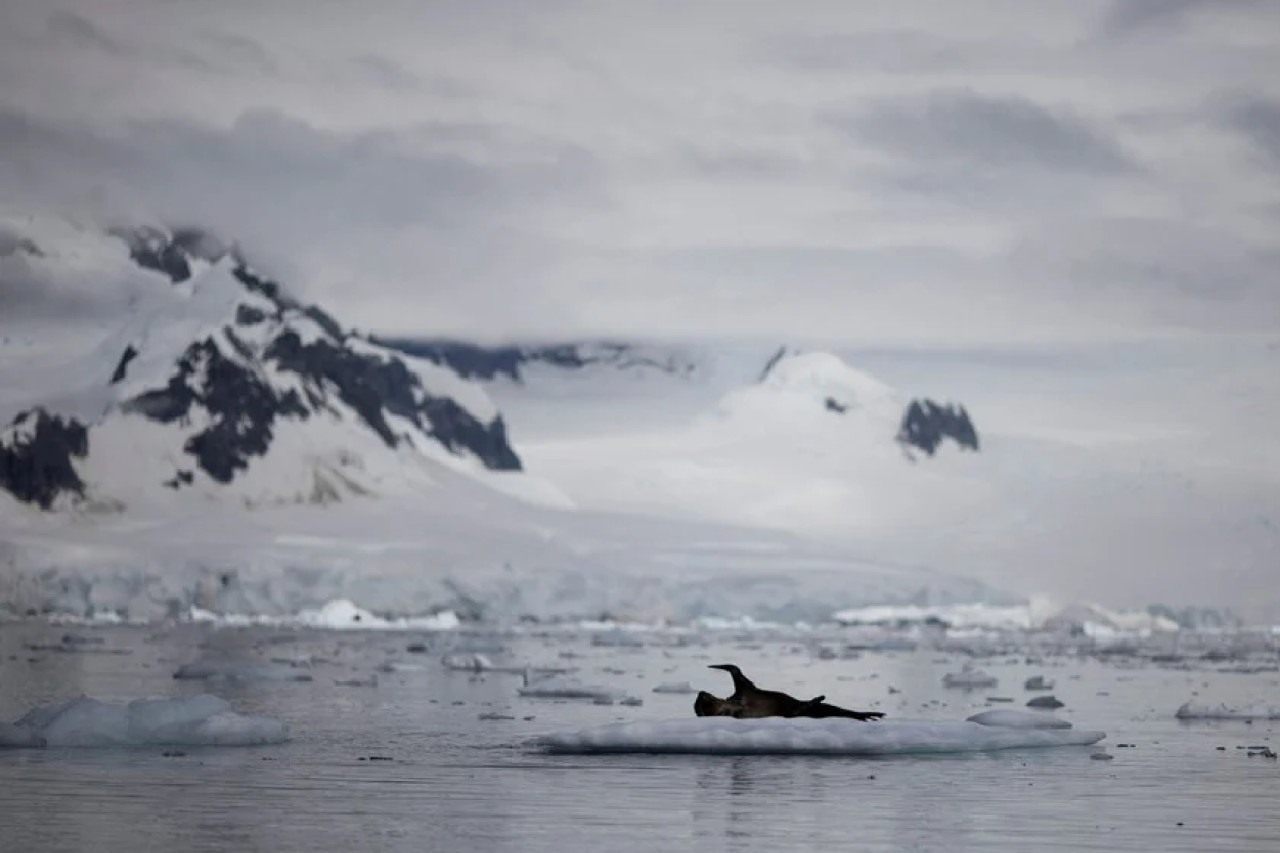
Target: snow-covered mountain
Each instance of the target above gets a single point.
(182, 433)
(219, 382)
(200, 437)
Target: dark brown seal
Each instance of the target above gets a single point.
(751, 702)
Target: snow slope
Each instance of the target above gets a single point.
(246, 455)
(222, 387)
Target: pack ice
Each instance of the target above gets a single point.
(777, 736)
(202, 720)
(1201, 711)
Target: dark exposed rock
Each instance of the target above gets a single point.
(37, 467)
(264, 286)
(926, 423)
(247, 315)
(170, 254)
(241, 405)
(834, 405)
(374, 388)
(154, 250)
(122, 366)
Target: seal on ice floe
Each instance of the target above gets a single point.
(749, 701)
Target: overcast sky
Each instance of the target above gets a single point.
(939, 172)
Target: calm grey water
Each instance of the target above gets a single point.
(457, 782)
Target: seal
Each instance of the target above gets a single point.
(750, 702)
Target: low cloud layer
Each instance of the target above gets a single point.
(498, 169)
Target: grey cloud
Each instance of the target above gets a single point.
(271, 171)
(1166, 271)
(1128, 17)
(386, 72)
(991, 132)
(891, 51)
(1258, 119)
(82, 32)
(232, 50)
(737, 162)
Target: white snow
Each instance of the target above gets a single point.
(202, 720)
(342, 614)
(774, 736)
(1013, 719)
(1200, 711)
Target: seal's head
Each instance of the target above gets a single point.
(706, 705)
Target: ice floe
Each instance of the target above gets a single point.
(776, 736)
(969, 678)
(215, 670)
(678, 687)
(202, 720)
(561, 687)
(1199, 711)
(1011, 719)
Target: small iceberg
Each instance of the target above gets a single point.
(202, 720)
(468, 661)
(225, 670)
(778, 736)
(1038, 683)
(675, 687)
(1009, 718)
(1197, 711)
(560, 687)
(969, 678)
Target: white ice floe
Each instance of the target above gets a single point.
(776, 736)
(969, 678)
(1011, 719)
(679, 687)
(560, 687)
(469, 661)
(1198, 711)
(214, 670)
(202, 720)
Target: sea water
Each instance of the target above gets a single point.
(391, 750)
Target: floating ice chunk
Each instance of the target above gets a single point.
(161, 718)
(1009, 718)
(776, 736)
(617, 638)
(969, 678)
(678, 687)
(196, 721)
(1197, 711)
(1038, 683)
(472, 661)
(559, 687)
(240, 671)
(1049, 701)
